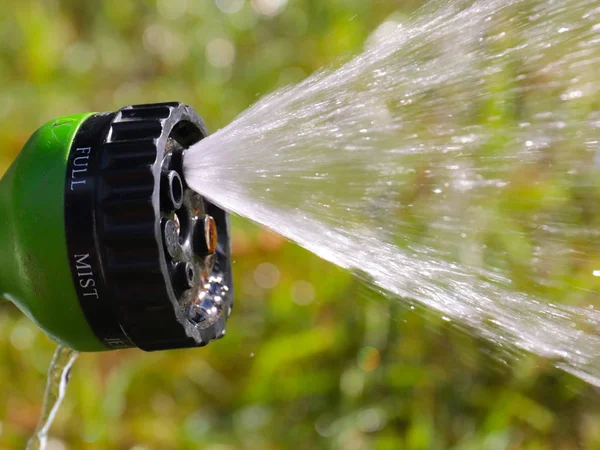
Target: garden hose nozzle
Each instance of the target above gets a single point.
(102, 242)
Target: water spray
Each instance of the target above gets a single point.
(453, 163)
(102, 242)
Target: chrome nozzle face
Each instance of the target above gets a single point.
(191, 238)
(196, 242)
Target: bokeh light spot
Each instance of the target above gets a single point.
(370, 420)
(384, 30)
(253, 417)
(197, 424)
(266, 275)
(325, 425)
(22, 337)
(167, 44)
(269, 7)
(303, 293)
(220, 53)
(369, 358)
(55, 444)
(230, 6)
(352, 382)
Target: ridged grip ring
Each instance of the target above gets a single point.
(148, 231)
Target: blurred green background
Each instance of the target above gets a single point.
(313, 359)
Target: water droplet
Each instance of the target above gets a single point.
(571, 95)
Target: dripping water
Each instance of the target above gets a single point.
(56, 386)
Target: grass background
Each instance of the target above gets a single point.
(312, 358)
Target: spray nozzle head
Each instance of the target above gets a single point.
(157, 251)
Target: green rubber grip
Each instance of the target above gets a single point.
(34, 270)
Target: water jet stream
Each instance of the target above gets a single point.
(454, 162)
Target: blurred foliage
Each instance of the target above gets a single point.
(312, 358)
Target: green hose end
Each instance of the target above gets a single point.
(102, 242)
(34, 270)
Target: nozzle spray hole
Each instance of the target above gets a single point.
(175, 189)
(171, 236)
(190, 274)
